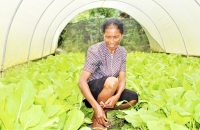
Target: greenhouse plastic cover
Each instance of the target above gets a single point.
(29, 29)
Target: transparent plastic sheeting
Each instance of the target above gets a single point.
(29, 29)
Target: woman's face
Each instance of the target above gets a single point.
(112, 38)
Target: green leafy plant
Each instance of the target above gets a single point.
(44, 95)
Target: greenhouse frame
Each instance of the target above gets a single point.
(30, 29)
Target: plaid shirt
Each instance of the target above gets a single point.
(101, 63)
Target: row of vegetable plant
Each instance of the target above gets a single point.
(44, 95)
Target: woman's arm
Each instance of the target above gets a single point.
(83, 85)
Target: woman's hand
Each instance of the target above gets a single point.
(110, 103)
(100, 115)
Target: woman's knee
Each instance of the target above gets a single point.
(134, 98)
(130, 96)
(111, 83)
(133, 102)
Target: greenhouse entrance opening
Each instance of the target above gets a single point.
(85, 30)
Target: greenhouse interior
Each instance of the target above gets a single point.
(39, 88)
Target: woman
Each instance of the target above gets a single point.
(103, 78)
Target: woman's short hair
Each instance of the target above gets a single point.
(113, 21)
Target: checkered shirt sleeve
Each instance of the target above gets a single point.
(91, 61)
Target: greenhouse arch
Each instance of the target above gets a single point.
(30, 29)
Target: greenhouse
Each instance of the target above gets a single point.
(30, 30)
(34, 96)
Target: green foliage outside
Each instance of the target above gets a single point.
(96, 13)
(78, 36)
(103, 12)
(45, 95)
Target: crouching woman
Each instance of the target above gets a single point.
(103, 78)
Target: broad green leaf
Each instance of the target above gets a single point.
(7, 120)
(51, 123)
(157, 125)
(120, 102)
(46, 94)
(52, 110)
(62, 65)
(17, 126)
(87, 121)
(40, 101)
(174, 126)
(153, 107)
(178, 91)
(134, 120)
(197, 83)
(193, 79)
(75, 120)
(190, 105)
(2, 85)
(127, 127)
(133, 85)
(85, 128)
(157, 98)
(63, 108)
(31, 117)
(21, 99)
(44, 79)
(120, 115)
(46, 98)
(130, 112)
(46, 123)
(182, 111)
(2, 104)
(61, 122)
(187, 106)
(5, 91)
(197, 113)
(190, 95)
(176, 117)
(147, 118)
(186, 84)
(170, 103)
(63, 92)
